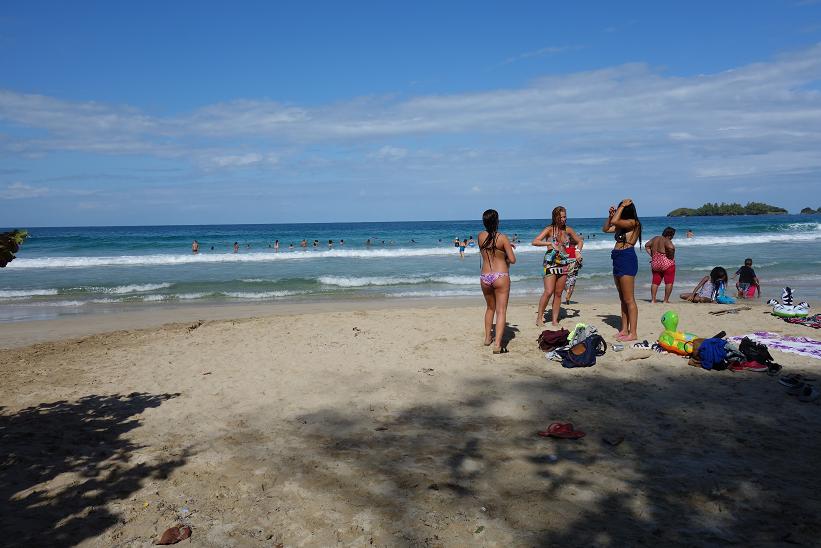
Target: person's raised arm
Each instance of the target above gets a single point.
(617, 222)
(541, 239)
(608, 222)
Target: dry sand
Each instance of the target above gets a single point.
(396, 427)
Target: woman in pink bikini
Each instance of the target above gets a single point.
(497, 256)
(662, 262)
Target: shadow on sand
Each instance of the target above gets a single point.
(86, 443)
(436, 472)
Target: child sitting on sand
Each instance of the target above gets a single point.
(747, 283)
(709, 286)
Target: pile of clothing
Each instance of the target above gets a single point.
(719, 354)
(577, 348)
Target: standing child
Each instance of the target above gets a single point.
(570, 284)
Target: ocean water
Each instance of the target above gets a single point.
(83, 270)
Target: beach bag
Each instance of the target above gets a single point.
(754, 351)
(580, 333)
(551, 340)
(584, 353)
(695, 360)
(712, 354)
(720, 297)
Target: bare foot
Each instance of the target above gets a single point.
(626, 338)
(488, 341)
(500, 350)
(555, 324)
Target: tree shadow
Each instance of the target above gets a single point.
(444, 468)
(64, 461)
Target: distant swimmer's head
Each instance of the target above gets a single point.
(490, 219)
(669, 232)
(559, 216)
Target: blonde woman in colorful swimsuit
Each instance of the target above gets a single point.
(563, 247)
(497, 256)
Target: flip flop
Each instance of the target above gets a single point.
(175, 534)
(794, 380)
(561, 430)
(809, 393)
(642, 344)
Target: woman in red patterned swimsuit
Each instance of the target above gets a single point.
(662, 262)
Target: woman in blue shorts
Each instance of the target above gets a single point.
(623, 222)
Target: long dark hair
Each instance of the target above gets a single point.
(490, 219)
(718, 273)
(629, 213)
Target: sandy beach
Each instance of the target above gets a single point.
(393, 426)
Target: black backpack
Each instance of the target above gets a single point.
(758, 352)
(583, 354)
(754, 351)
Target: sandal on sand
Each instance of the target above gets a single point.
(561, 430)
(794, 380)
(642, 344)
(175, 534)
(798, 389)
(809, 393)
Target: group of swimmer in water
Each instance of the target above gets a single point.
(563, 259)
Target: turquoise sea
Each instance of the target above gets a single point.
(82, 270)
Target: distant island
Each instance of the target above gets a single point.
(810, 211)
(712, 210)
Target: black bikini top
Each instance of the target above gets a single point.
(621, 236)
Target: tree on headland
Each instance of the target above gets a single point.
(809, 211)
(716, 209)
(10, 243)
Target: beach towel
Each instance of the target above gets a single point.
(794, 345)
(809, 321)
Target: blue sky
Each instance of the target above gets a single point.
(199, 112)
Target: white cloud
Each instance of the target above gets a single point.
(242, 160)
(622, 123)
(550, 50)
(388, 152)
(18, 191)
